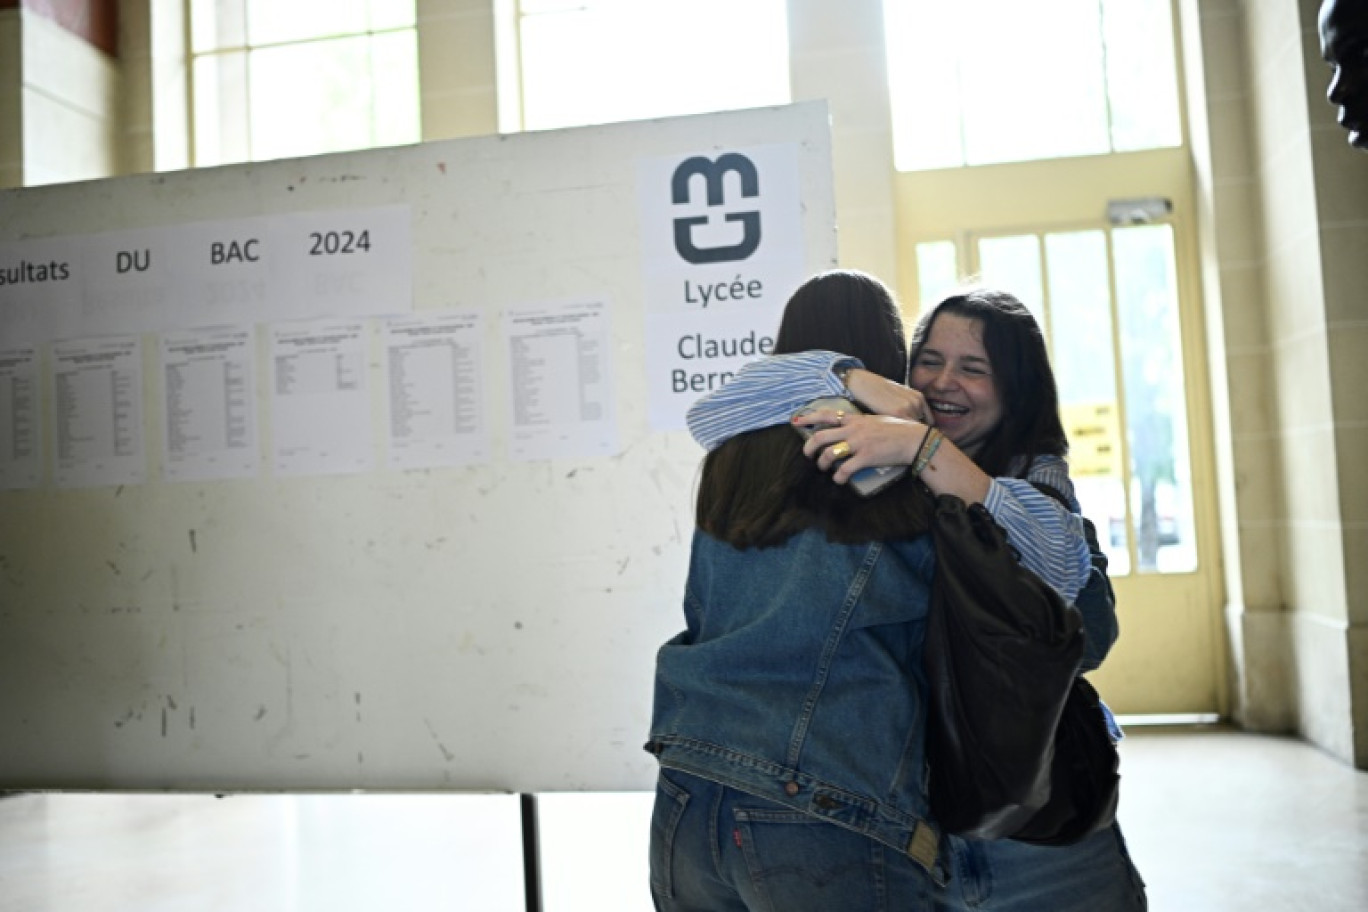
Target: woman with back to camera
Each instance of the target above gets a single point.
(790, 714)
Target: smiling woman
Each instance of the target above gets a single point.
(954, 373)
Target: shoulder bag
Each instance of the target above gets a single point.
(1017, 745)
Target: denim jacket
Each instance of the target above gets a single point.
(799, 679)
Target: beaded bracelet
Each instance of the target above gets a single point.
(927, 451)
(922, 445)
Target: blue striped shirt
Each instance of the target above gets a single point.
(769, 391)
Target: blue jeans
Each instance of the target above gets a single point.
(716, 849)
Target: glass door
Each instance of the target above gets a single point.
(1108, 299)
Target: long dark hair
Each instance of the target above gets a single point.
(1022, 375)
(848, 312)
(758, 488)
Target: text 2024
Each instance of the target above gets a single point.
(332, 243)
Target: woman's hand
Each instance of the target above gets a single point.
(866, 440)
(850, 442)
(884, 397)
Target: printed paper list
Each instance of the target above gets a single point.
(97, 386)
(210, 404)
(435, 394)
(560, 389)
(320, 410)
(19, 454)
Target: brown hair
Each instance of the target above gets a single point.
(758, 489)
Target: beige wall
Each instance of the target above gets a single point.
(11, 107)
(1283, 220)
(154, 131)
(67, 101)
(1239, 359)
(1285, 225)
(836, 52)
(1340, 328)
(457, 68)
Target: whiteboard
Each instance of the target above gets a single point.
(487, 625)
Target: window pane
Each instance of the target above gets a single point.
(923, 85)
(937, 272)
(274, 21)
(216, 24)
(987, 81)
(1013, 264)
(1142, 77)
(554, 94)
(311, 98)
(221, 134)
(1156, 412)
(219, 24)
(537, 7)
(1080, 315)
(1033, 87)
(1084, 362)
(607, 61)
(394, 75)
(392, 14)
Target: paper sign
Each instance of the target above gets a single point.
(41, 283)
(20, 432)
(312, 265)
(560, 381)
(1094, 439)
(98, 418)
(722, 250)
(209, 404)
(436, 395)
(320, 407)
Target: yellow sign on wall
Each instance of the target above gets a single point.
(1094, 431)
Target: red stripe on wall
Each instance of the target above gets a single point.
(97, 21)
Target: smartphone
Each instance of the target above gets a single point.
(868, 481)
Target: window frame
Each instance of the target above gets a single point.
(245, 49)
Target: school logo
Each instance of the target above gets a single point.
(713, 171)
(714, 282)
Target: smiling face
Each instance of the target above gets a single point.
(955, 375)
(1344, 45)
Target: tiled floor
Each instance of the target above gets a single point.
(1215, 820)
(1227, 821)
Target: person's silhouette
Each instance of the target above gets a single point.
(1344, 45)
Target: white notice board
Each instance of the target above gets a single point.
(367, 470)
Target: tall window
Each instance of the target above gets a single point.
(276, 79)
(1108, 302)
(598, 61)
(978, 82)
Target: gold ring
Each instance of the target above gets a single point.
(840, 449)
(840, 416)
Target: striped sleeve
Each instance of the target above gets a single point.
(1049, 537)
(765, 393)
(1053, 472)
